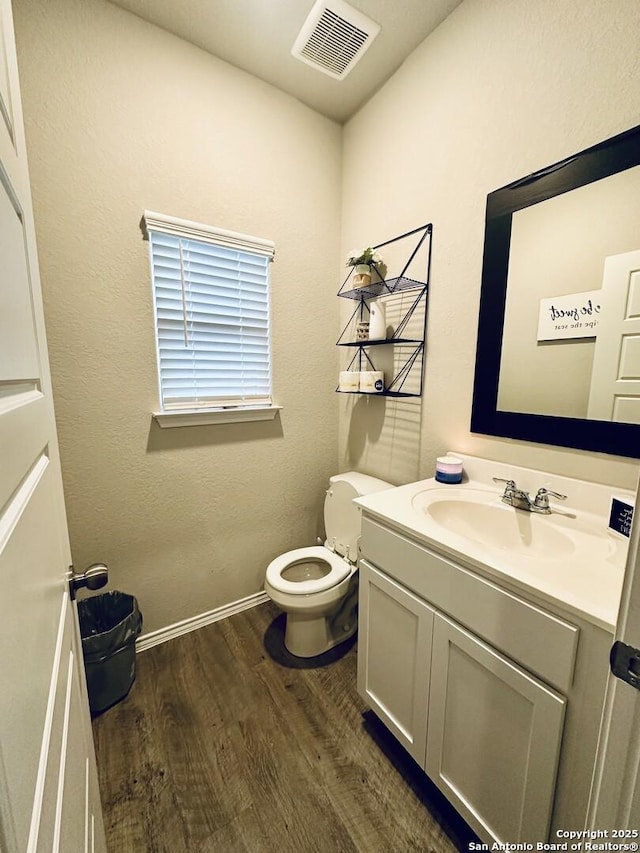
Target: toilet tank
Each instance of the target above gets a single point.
(341, 516)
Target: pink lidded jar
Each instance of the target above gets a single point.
(449, 469)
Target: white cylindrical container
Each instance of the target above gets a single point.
(349, 380)
(377, 321)
(372, 381)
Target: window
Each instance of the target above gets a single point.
(211, 300)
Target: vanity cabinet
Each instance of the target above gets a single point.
(486, 690)
(486, 732)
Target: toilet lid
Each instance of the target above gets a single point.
(337, 570)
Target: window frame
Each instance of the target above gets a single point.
(175, 415)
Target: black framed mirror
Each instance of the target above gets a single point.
(558, 352)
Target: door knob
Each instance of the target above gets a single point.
(95, 577)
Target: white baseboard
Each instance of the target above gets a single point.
(154, 638)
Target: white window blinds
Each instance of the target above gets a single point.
(211, 297)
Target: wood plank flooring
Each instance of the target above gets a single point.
(225, 747)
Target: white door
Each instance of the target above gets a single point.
(48, 784)
(615, 378)
(615, 799)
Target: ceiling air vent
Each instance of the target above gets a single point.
(334, 37)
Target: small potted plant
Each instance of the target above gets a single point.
(364, 261)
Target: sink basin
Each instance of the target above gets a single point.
(569, 558)
(482, 517)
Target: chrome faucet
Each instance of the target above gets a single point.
(519, 499)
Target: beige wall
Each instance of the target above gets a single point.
(120, 116)
(499, 90)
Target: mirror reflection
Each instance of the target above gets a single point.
(571, 335)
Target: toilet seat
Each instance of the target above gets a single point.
(339, 569)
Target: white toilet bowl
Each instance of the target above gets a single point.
(311, 601)
(317, 587)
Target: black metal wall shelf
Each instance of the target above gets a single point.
(380, 342)
(385, 393)
(380, 288)
(388, 287)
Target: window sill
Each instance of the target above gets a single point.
(202, 417)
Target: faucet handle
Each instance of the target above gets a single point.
(510, 484)
(542, 492)
(542, 498)
(510, 490)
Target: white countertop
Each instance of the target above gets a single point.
(584, 576)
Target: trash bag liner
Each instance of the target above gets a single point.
(109, 625)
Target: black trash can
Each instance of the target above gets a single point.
(109, 625)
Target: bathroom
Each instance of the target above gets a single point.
(122, 116)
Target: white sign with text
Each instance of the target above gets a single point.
(573, 316)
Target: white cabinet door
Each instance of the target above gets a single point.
(494, 737)
(394, 657)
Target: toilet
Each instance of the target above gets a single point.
(317, 587)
